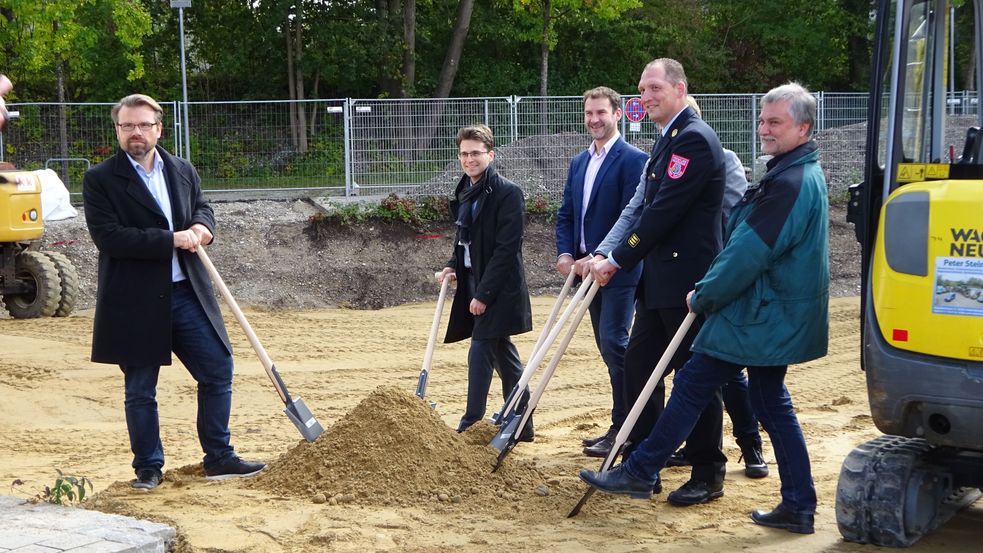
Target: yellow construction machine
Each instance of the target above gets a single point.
(33, 283)
(918, 215)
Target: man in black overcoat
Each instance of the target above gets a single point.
(147, 216)
(492, 301)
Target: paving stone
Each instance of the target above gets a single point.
(43, 528)
(68, 541)
(110, 547)
(37, 549)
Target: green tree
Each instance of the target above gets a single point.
(65, 49)
(538, 20)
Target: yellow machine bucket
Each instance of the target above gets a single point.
(20, 207)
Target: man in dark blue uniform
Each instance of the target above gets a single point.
(676, 230)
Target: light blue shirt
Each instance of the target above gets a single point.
(157, 186)
(597, 157)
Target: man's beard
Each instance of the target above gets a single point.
(137, 148)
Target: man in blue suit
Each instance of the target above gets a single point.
(601, 181)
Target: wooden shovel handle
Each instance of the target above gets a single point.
(434, 327)
(646, 393)
(264, 358)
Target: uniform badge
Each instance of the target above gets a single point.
(674, 133)
(633, 240)
(677, 166)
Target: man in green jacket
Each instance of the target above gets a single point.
(765, 298)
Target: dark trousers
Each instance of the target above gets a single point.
(202, 352)
(610, 316)
(738, 406)
(485, 356)
(692, 388)
(650, 335)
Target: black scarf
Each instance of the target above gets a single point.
(469, 206)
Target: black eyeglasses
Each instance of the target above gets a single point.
(128, 127)
(475, 154)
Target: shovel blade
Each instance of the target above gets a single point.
(506, 433)
(303, 419)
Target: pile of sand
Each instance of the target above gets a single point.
(392, 449)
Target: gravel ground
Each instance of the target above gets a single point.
(270, 256)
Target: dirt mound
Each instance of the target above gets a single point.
(393, 449)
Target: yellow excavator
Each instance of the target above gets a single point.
(33, 283)
(918, 215)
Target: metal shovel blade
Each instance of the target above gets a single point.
(303, 419)
(506, 434)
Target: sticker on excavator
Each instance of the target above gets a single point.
(914, 172)
(958, 286)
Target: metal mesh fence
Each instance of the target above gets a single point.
(376, 147)
(66, 138)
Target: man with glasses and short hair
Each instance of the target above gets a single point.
(491, 302)
(147, 216)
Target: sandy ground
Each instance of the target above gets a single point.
(394, 476)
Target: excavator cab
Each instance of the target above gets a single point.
(918, 215)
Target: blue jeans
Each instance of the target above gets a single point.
(611, 313)
(694, 386)
(500, 355)
(202, 352)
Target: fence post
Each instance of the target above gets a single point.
(347, 140)
(176, 127)
(514, 116)
(754, 133)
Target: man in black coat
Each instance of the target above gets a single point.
(677, 232)
(147, 216)
(492, 301)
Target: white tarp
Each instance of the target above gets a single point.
(55, 200)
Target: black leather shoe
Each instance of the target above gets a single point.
(611, 432)
(678, 459)
(799, 523)
(754, 461)
(694, 492)
(616, 480)
(147, 479)
(600, 449)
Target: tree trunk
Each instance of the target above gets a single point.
(294, 141)
(453, 57)
(62, 115)
(409, 50)
(299, 75)
(969, 82)
(315, 110)
(544, 68)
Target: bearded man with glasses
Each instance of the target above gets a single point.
(147, 216)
